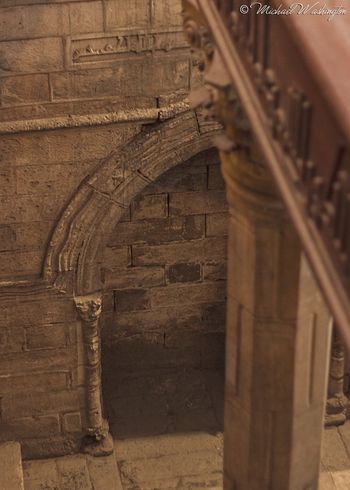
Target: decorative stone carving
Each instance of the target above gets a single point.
(98, 440)
(101, 199)
(337, 401)
(104, 48)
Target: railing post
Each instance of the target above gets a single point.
(337, 401)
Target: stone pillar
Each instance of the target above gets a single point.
(337, 401)
(98, 441)
(264, 385)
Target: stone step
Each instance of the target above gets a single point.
(11, 473)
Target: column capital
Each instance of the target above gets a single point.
(89, 307)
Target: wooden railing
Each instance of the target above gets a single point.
(290, 74)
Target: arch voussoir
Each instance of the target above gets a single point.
(102, 197)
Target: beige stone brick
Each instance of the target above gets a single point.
(16, 263)
(187, 294)
(40, 473)
(33, 21)
(217, 224)
(115, 257)
(27, 235)
(29, 208)
(7, 181)
(71, 422)
(46, 336)
(190, 317)
(180, 179)
(158, 230)
(11, 474)
(197, 250)
(149, 206)
(197, 202)
(11, 339)
(7, 238)
(214, 271)
(39, 360)
(33, 427)
(86, 17)
(133, 79)
(131, 299)
(37, 312)
(36, 404)
(18, 383)
(74, 471)
(64, 146)
(215, 178)
(168, 13)
(134, 277)
(127, 13)
(47, 447)
(184, 272)
(24, 89)
(34, 55)
(41, 179)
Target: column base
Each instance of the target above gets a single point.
(336, 411)
(98, 442)
(103, 447)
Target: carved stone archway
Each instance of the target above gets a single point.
(73, 258)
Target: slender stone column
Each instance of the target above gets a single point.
(268, 397)
(337, 401)
(98, 441)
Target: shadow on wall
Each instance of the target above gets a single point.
(164, 306)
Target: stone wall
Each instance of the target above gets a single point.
(78, 79)
(164, 273)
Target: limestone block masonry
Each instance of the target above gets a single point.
(92, 112)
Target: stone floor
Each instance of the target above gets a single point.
(168, 435)
(78, 472)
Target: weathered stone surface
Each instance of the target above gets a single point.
(37, 404)
(167, 12)
(30, 427)
(184, 272)
(33, 21)
(86, 17)
(182, 178)
(157, 231)
(32, 55)
(131, 299)
(217, 224)
(206, 250)
(184, 294)
(71, 422)
(36, 382)
(116, 257)
(137, 79)
(11, 475)
(134, 277)
(47, 336)
(215, 178)
(149, 206)
(197, 203)
(24, 89)
(135, 13)
(76, 145)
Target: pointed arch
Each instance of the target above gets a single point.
(73, 255)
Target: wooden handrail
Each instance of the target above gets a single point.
(290, 73)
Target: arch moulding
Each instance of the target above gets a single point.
(73, 258)
(73, 255)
